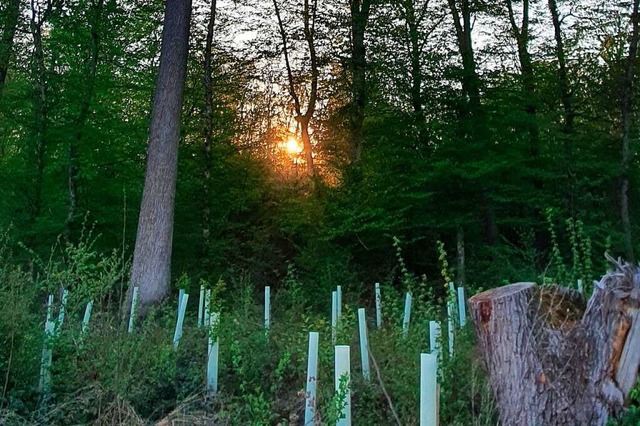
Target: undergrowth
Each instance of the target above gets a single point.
(109, 376)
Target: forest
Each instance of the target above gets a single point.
(169, 145)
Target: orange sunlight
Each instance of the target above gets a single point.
(293, 147)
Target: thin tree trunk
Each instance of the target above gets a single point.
(553, 362)
(470, 79)
(309, 19)
(415, 53)
(208, 131)
(563, 79)
(360, 10)
(474, 128)
(626, 107)
(10, 24)
(521, 34)
(40, 107)
(151, 269)
(95, 20)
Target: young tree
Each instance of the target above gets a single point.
(151, 269)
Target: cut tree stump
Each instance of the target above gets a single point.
(554, 359)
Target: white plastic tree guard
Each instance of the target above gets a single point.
(364, 344)
(342, 378)
(201, 306)
(181, 311)
(428, 390)
(267, 308)
(207, 307)
(311, 397)
(407, 315)
(212, 352)
(133, 310)
(378, 306)
(462, 307)
(334, 316)
(87, 317)
(434, 337)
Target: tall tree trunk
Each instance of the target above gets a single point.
(553, 362)
(91, 66)
(566, 98)
(39, 71)
(474, 127)
(412, 22)
(9, 26)
(626, 107)
(521, 34)
(208, 132)
(151, 269)
(563, 78)
(360, 10)
(470, 79)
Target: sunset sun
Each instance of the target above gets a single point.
(293, 146)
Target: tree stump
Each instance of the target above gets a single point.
(554, 359)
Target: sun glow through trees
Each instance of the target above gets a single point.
(293, 147)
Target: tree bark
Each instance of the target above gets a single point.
(470, 80)
(626, 108)
(360, 10)
(208, 132)
(414, 17)
(91, 67)
(309, 19)
(553, 360)
(563, 79)
(151, 269)
(41, 110)
(521, 34)
(9, 26)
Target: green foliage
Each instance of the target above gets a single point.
(141, 375)
(631, 416)
(580, 248)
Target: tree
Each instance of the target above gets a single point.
(208, 128)
(563, 78)
(38, 18)
(95, 18)
(309, 22)
(151, 269)
(626, 110)
(9, 18)
(360, 11)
